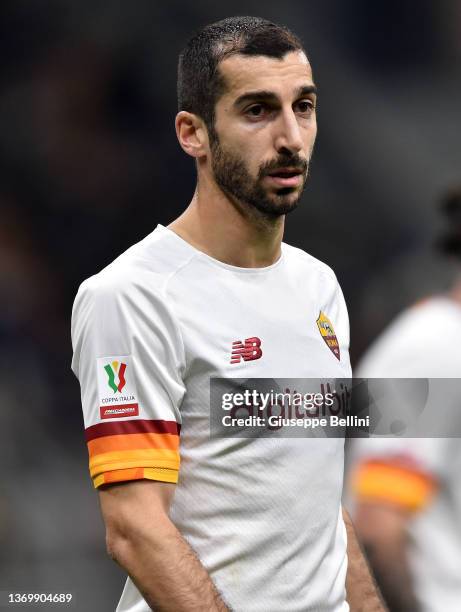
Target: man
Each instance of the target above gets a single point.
(251, 524)
(406, 491)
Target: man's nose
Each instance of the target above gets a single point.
(288, 136)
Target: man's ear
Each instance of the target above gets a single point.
(192, 134)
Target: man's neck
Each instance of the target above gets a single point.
(229, 231)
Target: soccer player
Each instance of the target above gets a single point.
(244, 524)
(407, 491)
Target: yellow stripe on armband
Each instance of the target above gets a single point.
(114, 476)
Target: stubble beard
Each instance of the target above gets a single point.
(232, 176)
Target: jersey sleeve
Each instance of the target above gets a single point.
(129, 359)
(402, 472)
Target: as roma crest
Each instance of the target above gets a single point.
(328, 334)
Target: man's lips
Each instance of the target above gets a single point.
(285, 177)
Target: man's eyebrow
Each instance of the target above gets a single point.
(306, 90)
(261, 95)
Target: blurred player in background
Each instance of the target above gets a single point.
(254, 523)
(407, 492)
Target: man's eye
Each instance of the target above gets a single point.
(306, 106)
(257, 110)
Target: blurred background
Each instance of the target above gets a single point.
(89, 164)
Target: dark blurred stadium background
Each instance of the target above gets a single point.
(89, 164)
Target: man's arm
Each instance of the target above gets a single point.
(142, 539)
(382, 529)
(362, 592)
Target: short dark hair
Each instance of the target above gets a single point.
(200, 83)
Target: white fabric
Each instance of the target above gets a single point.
(424, 342)
(263, 515)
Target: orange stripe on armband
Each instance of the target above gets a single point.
(132, 442)
(154, 464)
(381, 481)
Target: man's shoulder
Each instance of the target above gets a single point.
(145, 267)
(408, 345)
(425, 320)
(307, 263)
(435, 309)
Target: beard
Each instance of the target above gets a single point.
(232, 176)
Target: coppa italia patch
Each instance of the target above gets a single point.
(116, 387)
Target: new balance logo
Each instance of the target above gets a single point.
(249, 350)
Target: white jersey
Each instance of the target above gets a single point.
(420, 475)
(263, 515)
